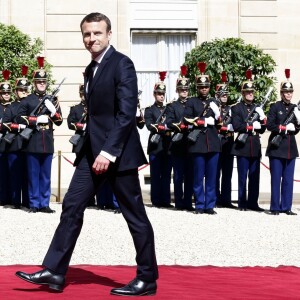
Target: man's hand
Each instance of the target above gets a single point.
(100, 165)
(297, 114)
(50, 107)
(43, 119)
(214, 107)
(261, 113)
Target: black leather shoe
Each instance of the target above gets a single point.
(257, 208)
(190, 208)
(136, 287)
(229, 205)
(33, 210)
(210, 211)
(274, 212)
(242, 208)
(199, 211)
(290, 213)
(44, 277)
(47, 210)
(117, 211)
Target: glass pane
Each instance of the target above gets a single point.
(144, 52)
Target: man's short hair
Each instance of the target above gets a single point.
(96, 17)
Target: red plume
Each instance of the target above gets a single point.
(162, 75)
(24, 70)
(5, 74)
(224, 77)
(249, 74)
(201, 66)
(40, 60)
(183, 70)
(287, 73)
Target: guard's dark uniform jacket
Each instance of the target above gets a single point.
(252, 147)
(151, 115)
(3, 108)
(76, 120)
(174, 114)
(41, 140)
(277, 115)
(208, 140)
(226, 137)
(11, 126)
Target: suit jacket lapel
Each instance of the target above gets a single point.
(101, 66)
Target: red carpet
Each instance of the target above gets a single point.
(175, 282)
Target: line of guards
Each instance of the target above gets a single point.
(193, 136)
(196, 137)
(27, 143)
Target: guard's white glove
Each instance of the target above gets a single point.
(43, 119)
(256, 125)
(50, 107)
(297, 114)
(261, 113)
(290, 127)
(214, 107)
(138, 113)
(84, 127)
(209, 121)
(230, 127)
(21, 126)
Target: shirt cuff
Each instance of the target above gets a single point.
(108, 156)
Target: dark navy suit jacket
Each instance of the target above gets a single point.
(111, 106)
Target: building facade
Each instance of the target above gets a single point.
(156, 35)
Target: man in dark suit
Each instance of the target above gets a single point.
(112, 151)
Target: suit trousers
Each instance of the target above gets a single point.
(83, 186)
(282, 183)
(205, 166)
(248, 167)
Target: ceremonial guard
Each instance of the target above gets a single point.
(17, 175)
(39, 112)
(5, 101)
(204, 144)
(77, 121)
(181, 160)
(283, 122)
(247, 147)
(226, 135)
(140, 120)
(158, 147)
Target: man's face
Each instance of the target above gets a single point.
(287, 96)
(224, 98)
(159, 97)
(21, 93)
(183, 93)
(40, 85)
(248, 96)
(95, 37)
(5, 96)
(203, 91)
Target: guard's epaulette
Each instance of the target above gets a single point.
(148, 106)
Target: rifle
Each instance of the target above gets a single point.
(276, 140)
(9, 137)
(1, 134)
(155, 138)
(177, 137)
(74, 139)
(253, 116)
(27, 132)
(194, 134)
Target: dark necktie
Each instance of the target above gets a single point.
(92, 67)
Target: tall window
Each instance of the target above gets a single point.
(154, 52)
(158, 51)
